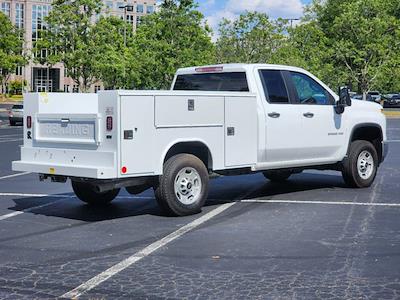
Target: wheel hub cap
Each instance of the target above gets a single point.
(365, 165)
(187, 186)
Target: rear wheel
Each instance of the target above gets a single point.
(183, 187)
(361, 165)
(278, 175)
(86, 193)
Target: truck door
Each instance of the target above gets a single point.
(322, 129)
(282, 123)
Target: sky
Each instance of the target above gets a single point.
(215, 10)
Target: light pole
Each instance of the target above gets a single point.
(291, 21)
(126, 8)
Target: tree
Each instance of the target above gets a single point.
(252, 38)
(364, 35)
(171, 38)
(115, 61)
(11, 49)
(68, 38)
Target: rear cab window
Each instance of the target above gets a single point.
(213, 82)
(274, 87)
(17, 106)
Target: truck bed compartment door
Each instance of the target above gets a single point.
(137, 135)
(240, 131)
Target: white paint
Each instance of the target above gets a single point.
(321, 202)
(14, 175)
(35, 195)
(394, 141)
(95, 281)
(11, 140)
(10, 135)
(16, 213)
(65, 196)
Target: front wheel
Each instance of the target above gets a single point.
(361, 165)
(183, 188)
(86, 193)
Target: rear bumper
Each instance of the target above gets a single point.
(74, 163)
(73, 171)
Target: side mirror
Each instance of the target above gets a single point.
(344, 100)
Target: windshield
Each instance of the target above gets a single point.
(224, 82)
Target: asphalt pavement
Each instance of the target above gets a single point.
(309, 238)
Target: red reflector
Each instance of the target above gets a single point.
(109, 123)
(124, 170)
(209, 69)
(29, 122)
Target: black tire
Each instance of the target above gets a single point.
(350, 170)
(137, 189)
(87, 194)
(167, 199)
(278, 175)
(12, 123)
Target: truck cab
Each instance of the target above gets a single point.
(224, 119)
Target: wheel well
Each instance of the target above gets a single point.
(197, 149)
(371, 133)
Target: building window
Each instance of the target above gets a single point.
(18, 71)
(120, 4)
(75, 89)
(5, 8)
(109, 5)
(150, 9)
(19, 15)
(130, 19)
(39, 12)
(139, 8)
(66, 88)
(138, 21)
(97, 88)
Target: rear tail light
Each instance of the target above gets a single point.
(109, 123)
(29, 122)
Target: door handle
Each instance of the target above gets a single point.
(308, 115)
(274, 115)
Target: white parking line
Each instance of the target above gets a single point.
(321, 202)
(394, 141)
(10, 135)
(16, 213)
(95, 281)
(14, 175)
(11, 140)
(66, 196)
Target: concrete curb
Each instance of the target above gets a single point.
(392, 114)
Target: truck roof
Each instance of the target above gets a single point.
(234, 68)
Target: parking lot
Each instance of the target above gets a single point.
(308, 238)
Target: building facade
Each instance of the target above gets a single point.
(29, 15)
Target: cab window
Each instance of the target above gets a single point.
(309, 91)
(274, 86)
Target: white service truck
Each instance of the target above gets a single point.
(224, 119)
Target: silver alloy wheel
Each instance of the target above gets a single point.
(187, 186)
(365, 165)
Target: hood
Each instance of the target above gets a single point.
(362, 104)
